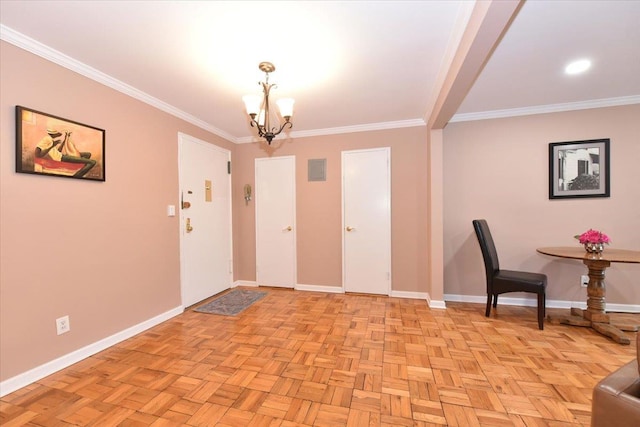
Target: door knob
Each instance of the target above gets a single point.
(289, 228)
(350, 228)
(189, 227)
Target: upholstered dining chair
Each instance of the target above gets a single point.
(503, 281)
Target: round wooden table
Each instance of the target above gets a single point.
(595, 316)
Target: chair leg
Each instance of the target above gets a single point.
(495, 300)
(488, 310)
(541, 310)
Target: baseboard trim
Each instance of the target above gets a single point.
(531, 302)
(339, 290)
(621, 308)
(409, 295)
(248, 283)
(318, 288)
(22, 380)
(437, 304)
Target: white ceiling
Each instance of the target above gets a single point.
(526, 71)
(350, 65)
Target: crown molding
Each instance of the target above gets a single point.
(344, 129)
(26, 43)
(20, 40)
(542, 109)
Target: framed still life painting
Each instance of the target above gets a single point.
(54, 146)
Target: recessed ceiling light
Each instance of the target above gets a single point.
(577, 67)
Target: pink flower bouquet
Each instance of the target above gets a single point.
(593, 236)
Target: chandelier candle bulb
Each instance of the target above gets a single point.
(252, 104)
(286, 107)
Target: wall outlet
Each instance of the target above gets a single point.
(584, 280)
(62, 325)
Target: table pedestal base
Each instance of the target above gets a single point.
(595, 315)
(600, 322)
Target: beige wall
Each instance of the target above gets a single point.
(318, 216)
(104, 253)
(498, 170)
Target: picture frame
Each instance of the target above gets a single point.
(579, 169)
(55, 146)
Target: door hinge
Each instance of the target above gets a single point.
(229, 167)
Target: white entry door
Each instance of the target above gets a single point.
(366, 231)
(205, 219)
(276, 221)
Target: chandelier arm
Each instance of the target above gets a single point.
(287, 122)
(254, 123)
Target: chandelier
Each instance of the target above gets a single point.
(258, 108)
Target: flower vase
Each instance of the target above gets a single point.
(594, 248)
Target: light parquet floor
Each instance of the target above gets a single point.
(314, 359)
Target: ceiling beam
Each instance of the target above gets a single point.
(487, 24)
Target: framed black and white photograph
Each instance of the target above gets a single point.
(579, 169)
